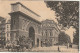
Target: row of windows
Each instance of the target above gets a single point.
(47, 32)
(47, 25)
(54, 39)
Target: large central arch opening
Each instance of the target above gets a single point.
(32, 35)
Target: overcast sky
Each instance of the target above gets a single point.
(37, 6)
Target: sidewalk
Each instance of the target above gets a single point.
(55, 49)
(3, 50)
(69, 50)
(48, 49)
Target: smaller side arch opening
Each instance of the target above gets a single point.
(37, 42)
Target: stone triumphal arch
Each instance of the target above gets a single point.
(24, 24)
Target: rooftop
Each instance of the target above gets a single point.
(2, 18)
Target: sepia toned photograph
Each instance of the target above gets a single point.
(39, 26)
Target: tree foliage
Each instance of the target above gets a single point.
(24, 41)
(64, 38)
(76, 37)
(2, 40)
(67, 13)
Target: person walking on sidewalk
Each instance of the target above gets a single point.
(59, 49)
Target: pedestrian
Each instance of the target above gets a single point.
(58, 49)
(67, 45)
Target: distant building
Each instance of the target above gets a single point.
(7, 31)
(4, 31)
(50, 32)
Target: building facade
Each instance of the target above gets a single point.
(50, 32)
(4, 31)
(7, 31)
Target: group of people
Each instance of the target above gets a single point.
(17, 48)
(68, 46)
(20, 46)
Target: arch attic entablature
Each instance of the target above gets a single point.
(23, 10)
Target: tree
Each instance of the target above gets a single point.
(76, 37)
(2, 41)
(67, 13)
(25, 42)
(64, 38)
